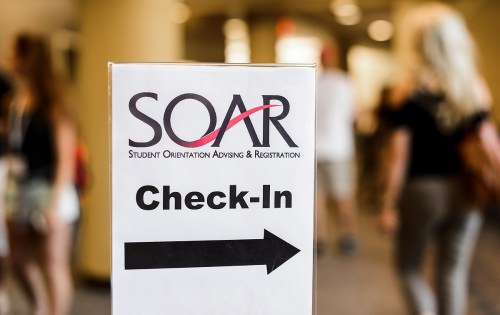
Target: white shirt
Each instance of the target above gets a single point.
(335, 117)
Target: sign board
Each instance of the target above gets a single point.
(212, 189)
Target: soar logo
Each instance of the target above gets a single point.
(214, 134)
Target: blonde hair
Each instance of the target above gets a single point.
(443, 58)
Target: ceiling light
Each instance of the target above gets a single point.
(380, 30)
(346, 12)
(349, 20)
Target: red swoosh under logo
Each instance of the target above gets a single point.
(211, 136)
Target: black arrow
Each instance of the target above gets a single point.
(271, 251)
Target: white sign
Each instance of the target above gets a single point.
(212, 189)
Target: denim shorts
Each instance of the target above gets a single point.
(27, 202)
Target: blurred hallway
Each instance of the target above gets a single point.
(366, 284)
(361, 285)
(86, 35)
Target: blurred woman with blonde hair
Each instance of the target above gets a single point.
(424, 199)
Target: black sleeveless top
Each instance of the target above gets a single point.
(433, 149)
(37, 145)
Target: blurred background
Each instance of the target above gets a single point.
(86, 35)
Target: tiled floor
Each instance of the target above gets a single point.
(361, 285)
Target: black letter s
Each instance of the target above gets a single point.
(146, 119)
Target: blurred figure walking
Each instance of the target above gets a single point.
(335, 154)
(424, 198)
(5, 98)
(42, 200)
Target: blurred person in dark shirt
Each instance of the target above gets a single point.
(424, 198)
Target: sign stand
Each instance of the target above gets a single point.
(213, 189)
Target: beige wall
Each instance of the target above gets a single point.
(484, 23)
(119, 31)
(262, 40)
(32, 15)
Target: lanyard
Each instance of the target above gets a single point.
(18, 125)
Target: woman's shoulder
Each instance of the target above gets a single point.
(398, 93)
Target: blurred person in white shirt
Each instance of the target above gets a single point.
(335, 148)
